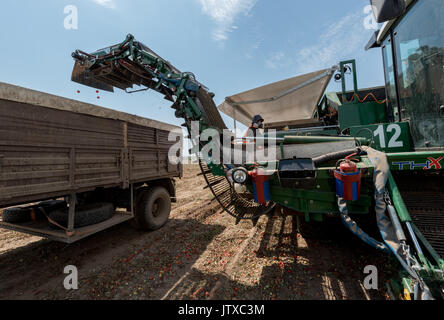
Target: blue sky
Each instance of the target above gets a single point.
(231, 45)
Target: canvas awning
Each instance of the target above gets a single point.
(289, 101)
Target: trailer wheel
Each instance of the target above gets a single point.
(86, 215)
(153, 209)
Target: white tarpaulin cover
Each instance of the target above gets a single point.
(288, 101)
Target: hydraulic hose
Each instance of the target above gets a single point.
(354, 228)
(335, 156)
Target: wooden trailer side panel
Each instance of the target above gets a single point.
(149, 148)
(46, 152)
(52, 147)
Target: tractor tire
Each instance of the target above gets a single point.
(16, 215)
(153, 208)
(85, 215)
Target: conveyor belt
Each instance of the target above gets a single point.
(424, 198)
(211, 113)
(132, 63)
(240, 206)
(427, 212)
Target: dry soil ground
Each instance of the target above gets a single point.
(199, 254)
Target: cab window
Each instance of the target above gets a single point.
(419, 50)
(390, 79)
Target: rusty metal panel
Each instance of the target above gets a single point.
(33, 125)
(48, 152)
(151, 163)
(32, 171)
(141, 137)
(149, 149)
(143, 163)
(97, 167)
(26, 96)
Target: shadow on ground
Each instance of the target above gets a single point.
(320, 260)
(111, 264)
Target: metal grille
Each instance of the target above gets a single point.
(211, 113)
(240, 206)
(427, 211)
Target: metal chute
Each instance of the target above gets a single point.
(80, 75)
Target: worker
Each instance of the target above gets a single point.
(257, 123)
(331, 118)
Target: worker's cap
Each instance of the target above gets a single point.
(257, 119)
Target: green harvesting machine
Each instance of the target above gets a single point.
(360, 152)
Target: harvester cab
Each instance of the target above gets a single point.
(376, 151)
(413, 53)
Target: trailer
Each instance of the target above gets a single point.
(71, 169)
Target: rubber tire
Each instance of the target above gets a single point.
(24, 214)
(52, 205)
(44, 208)
(145, 217)
(85, 215)
(16, 215)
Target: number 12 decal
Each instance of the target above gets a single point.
(393, 143)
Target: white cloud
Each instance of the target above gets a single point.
(277, 60)
(341, 41)
(106, 3)
(224, 14)
(251, 50)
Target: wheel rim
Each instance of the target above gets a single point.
(158, 207)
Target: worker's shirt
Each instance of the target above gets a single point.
(251, 132)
